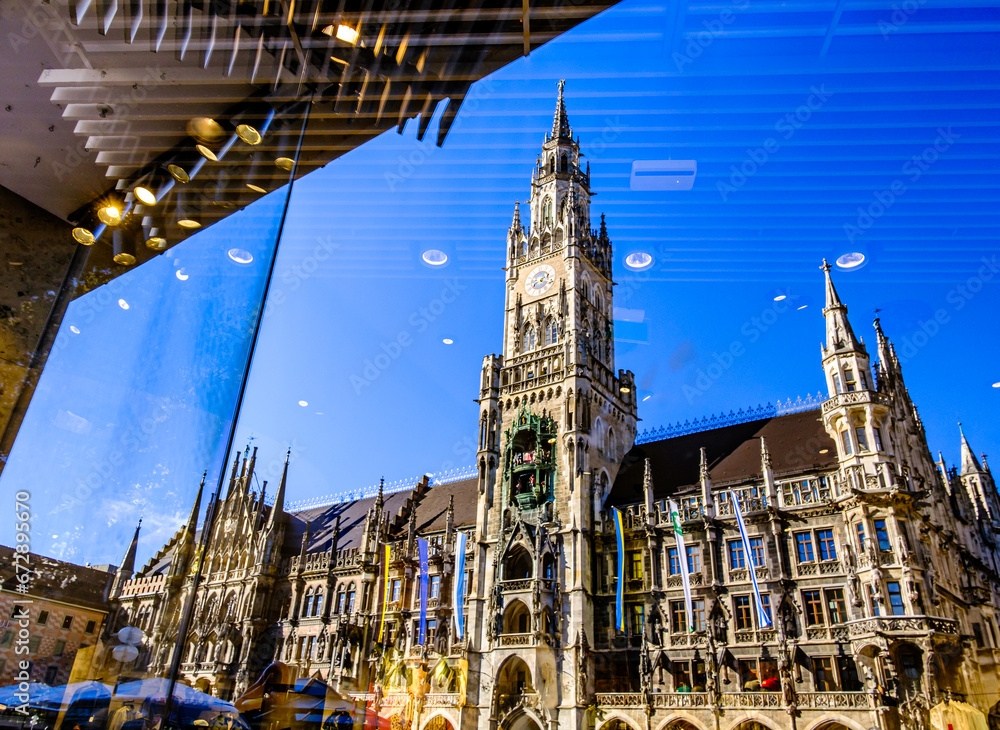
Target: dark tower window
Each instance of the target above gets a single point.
(517, 566)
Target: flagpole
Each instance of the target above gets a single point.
(765, 618)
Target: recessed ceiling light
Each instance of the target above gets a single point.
(188, 223)
(824, 451)
(256, 188)
(156, 243)
(74, 329)
(123, 304)
(240, 256)
(83, 236)
(448, 341)
(638, 261)
(851, 260)
(285, 163)
(625, 389)
(780, 298)
(802, 307)
(303, 403)
(344, 33)
(178, 173)
(144, 195)
(206, 152)
(996, 385)
(110, 215)
(181, 275)
(433, 257)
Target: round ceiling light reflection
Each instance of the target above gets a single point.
(156, 243)
(781, 297)
(448, 341)
(178, 173)
(83, 236)
(248, 134)
(851, 260)
(123, 304)
(256, 188)
(74, 329)
(285, 163)
(205, 129)
(434, 257)
(303, 403)
(638, 261)
(996, 385)
(188, 223)
(181, 275)
(239, 256)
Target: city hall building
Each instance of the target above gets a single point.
(876, 564)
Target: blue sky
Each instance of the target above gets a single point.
(796, 151)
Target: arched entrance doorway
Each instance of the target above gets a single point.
(616, 724)
(438, 722)
(679, 725)
(514, 696)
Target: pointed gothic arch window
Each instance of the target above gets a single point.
(529, 339)
(350, 598)
(551, 331)
(341, 598)
(547, 211)
(548, 567)
(308, 610)
(564, 163)
(318, 606)
(611, 444)
(552, 163)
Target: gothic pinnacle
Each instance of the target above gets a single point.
(560, 123)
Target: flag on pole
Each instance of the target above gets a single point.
(424, 578)
(458, 598)
(385, 591)
(675, 518)
(765, 617)
(620, 599)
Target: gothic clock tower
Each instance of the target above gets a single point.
(555, 420)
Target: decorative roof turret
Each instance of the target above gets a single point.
(839, 334)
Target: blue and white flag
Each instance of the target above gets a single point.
(675, 519)
(620, 599)
(458, 596)
(424, 579)
(765, 617)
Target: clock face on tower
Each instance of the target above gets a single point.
(539, 280)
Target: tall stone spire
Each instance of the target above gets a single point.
(970, 464)
(127, 568)
(279, 500)
(192, 523)
(839, 335)
(560, 123)
(515, 224)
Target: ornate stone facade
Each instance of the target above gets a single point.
(877, 565)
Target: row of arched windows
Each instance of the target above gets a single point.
(312, 601)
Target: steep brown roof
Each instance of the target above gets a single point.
(794, 442)
(57, 580)
(431, 506)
